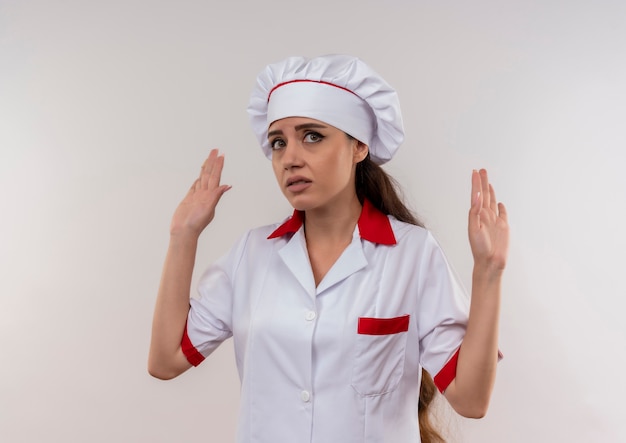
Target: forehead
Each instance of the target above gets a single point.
(293, 122)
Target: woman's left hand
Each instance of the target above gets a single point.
(488, 226)
(470, 391)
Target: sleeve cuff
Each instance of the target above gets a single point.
(193, 355)
(445, 376)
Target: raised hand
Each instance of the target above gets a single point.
(488, 226)
(197, 209)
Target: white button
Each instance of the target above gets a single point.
(310, 315)
(305, 396)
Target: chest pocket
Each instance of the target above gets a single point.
(379, 354)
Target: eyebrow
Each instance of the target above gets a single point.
(298, 128)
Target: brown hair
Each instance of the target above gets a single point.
(373, 183)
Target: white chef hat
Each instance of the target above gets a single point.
(339, 90)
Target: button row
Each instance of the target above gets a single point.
(305, 396)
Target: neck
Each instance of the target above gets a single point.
(333, 224)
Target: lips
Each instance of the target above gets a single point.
(297, 183)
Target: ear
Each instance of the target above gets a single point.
(360, 151)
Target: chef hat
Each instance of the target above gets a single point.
(339, 90)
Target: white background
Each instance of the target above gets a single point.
(108, 108)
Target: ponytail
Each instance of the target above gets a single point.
(375, 185)
(428, 391)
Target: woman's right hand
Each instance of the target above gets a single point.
(197, 209)
(166, 359)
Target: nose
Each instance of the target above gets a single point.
(291, 155)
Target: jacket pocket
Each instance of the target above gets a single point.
(379, 354)
(383, 326)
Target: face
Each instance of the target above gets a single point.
(314, 163)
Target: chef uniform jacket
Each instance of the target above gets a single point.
(340, 362)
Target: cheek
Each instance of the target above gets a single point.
(275, 166)
(347, 159)
(341, 167)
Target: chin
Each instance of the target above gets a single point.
(301, 203)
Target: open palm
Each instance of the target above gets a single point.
(488, 225)
(197, 209)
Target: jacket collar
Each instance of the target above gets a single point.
(374, 226)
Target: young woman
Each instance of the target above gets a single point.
(336, 311)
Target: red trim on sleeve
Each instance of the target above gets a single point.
(448, 372)
(383, 326)
(193, 356)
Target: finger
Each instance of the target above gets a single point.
(477, 202)
(502, 212)
(484, 183)
(216, 172)
(492, 196)
(476, 190)
(207, 161)
(207, 167)
(221, 191)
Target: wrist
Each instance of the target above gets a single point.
(183, 235)
(487, 274)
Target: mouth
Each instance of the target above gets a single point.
(297, 184)
(297, 181)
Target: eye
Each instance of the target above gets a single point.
(313, 137)
(277, 143)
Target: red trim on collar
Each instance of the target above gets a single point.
(290, 226)
(373, 225)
